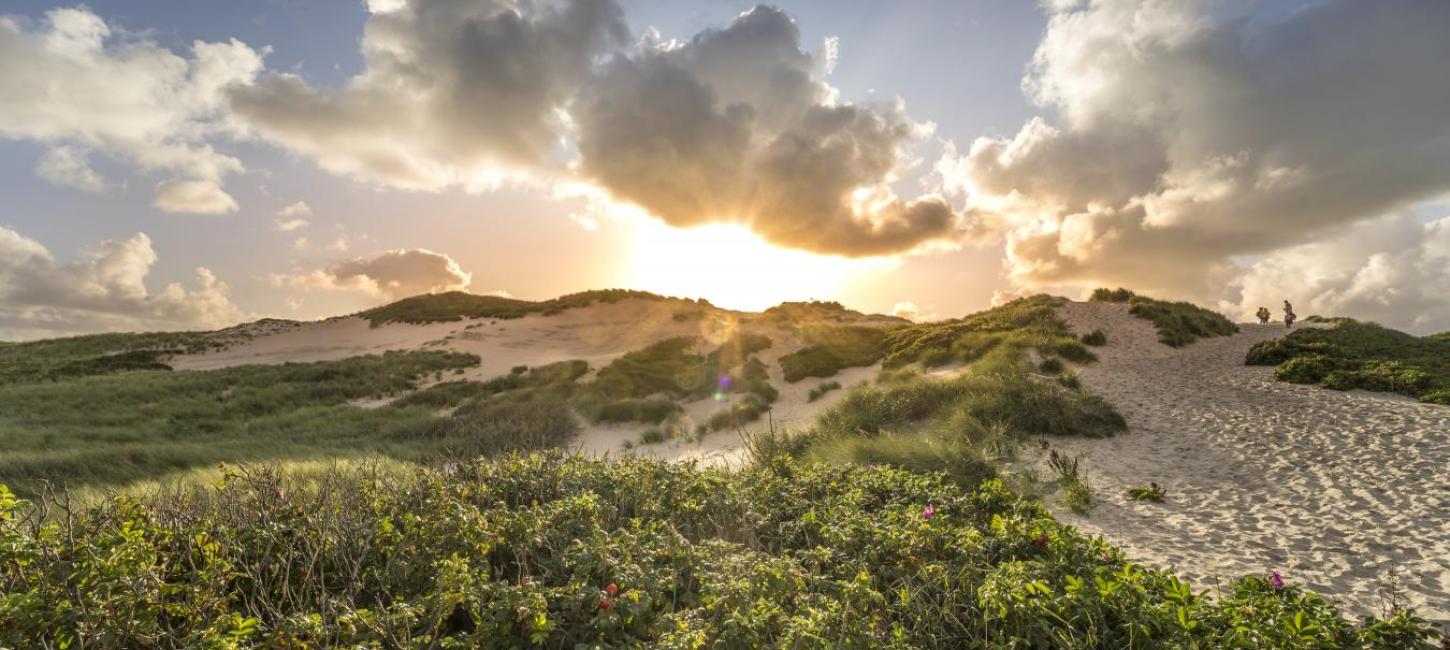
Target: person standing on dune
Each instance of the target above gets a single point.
(1288, 314)
(1263, 315)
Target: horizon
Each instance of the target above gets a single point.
(176, 166)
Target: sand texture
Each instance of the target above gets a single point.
(1347, 493)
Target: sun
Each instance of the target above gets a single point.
(733, 268)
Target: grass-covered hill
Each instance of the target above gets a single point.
(461, 305)
(1178, 323)
(1354, 354)
(553, 552)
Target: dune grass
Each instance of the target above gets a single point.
(1355, 354)
(460, 305)
(1026, 322)
(831, 348)
(547, 551)
(120, 427)
(1178, 323)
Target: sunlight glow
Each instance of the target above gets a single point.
(733, 268)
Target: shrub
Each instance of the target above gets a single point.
(1051, 365)
(653, 437)
(1359, 355)
(1104, 294)
(1095, 338)
(547, 551)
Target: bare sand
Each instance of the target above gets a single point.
(1345, 493)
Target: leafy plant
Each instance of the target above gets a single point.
(1095, 338)
(1360, 355)
(558, 552)
(1150, 492)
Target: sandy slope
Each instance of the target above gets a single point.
(1347, 493)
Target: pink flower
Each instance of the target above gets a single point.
(605, 603)
(928, 512)
(1276, 580)
(611, 589)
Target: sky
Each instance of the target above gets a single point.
(185, 164)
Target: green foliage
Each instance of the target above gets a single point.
(821, 389)
(547, 551)
(1150, 492)
(829, 349)
(1095, 338)
(1051, 365)
(460, 305)
(115, 428)
(1178, 323)
(1359, 355)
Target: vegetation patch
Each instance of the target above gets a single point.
(821, 389)
(1095, 338)
(830, 349)
(460, 305)
(1024, 323)
(554, 552)
(1178, 323)
(124, 426)
(1356, 354)
(1150, 492)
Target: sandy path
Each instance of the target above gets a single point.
(1347, 493)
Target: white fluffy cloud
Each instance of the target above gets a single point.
(73, 83)
(1189, 135)
(102, 289)
(454, 93)
(393, 274)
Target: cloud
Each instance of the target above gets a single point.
(1189, 137)
(734, 127)
(193, 197)
(73, 83)
(452, 94)
(906, 309)
(293, 217)
(393, 274)
(69, 167)
(1392, 270)
(103, 289)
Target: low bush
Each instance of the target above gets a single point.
(1051, 365)
(1095, 338)
(1359, 355)
(546, 551)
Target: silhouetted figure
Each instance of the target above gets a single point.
(1263, 315)
(1288, 314)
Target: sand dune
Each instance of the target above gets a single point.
(1346, 493)
(598, 334)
